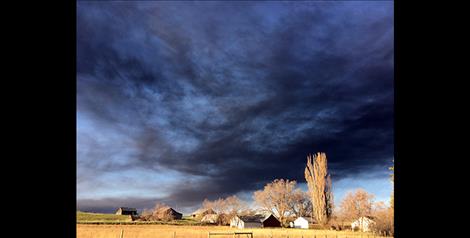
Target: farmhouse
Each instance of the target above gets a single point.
(363, 224)
(168, 213)
(303, 222)
(126, 211)
(255, 221)
(202, 212)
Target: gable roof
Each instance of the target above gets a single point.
(264, 219)
(252, 218)
(204, 211)
(128, 209)
(167, 209)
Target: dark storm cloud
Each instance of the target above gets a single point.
(233, 90)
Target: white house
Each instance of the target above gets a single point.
(363, 224)
(302, 222)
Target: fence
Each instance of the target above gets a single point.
(233, 234)
(249, 234)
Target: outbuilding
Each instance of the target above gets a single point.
(167, 213)
(126, 211)
(271, 221)
(303, 222)
(210, 218)
(363, 224)
(202, 212)
(254, 221)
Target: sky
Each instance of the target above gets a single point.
(182, 101)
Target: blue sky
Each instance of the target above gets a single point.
(182, 101)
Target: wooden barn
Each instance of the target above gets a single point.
(168, 213)
(255, 221)
(126, 211)
(271, 221)
(210, 218)
(202, 212)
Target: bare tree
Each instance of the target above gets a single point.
(278, 197)
(301, 204)
(216, 205)
(357, 204)
(319, 187)
(226, 208)
(383, 218)
(234, 206)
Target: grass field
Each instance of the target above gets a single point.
(100, 217)
(181, 231)
(112, 219)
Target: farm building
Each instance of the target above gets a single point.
(167, 213)
(271, 221)
(210, 218)
(363, 224)
(202, 212)
(126, 211)
(302, 222)
(254, 221)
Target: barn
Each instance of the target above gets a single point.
(255, 221)
(202, 212)
(210, 218)
(126, 211)
(167, 212)
(303, 222)
(271, 221)
(363, 224)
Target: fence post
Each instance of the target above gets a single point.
(122, 232)
(174, 234)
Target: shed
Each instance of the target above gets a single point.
(303, 222)
(363, 224)
(126, 211)
(254, 221)
(167, 213)
(271, 221)
(202, 212)
(210, 218)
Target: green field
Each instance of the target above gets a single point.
(100, 217)
(112, 219)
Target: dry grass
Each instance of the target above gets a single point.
(168, 231)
